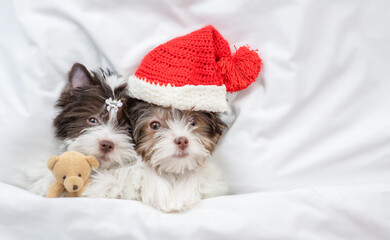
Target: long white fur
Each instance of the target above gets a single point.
(167, 192)
(88, 144)
(40, 177)
(123, 182)
(178, 184)
(172, 193)
(114, 81)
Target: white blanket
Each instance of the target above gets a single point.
(307, 155)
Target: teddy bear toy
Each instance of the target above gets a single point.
(71, 171)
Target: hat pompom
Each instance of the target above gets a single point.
(240, 69)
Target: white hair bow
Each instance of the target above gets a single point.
(113, 104)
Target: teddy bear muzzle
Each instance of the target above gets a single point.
(73, 184)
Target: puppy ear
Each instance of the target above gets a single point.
(92, 161)
(52, 162)
(218, 125)
(79, 76)
(221, 124)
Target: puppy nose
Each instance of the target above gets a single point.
(181, 142)
(106, 146)
(75, 187)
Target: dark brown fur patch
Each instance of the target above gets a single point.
(76, 105)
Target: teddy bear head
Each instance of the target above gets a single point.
(72, 169)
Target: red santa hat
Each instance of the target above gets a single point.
(194, 72)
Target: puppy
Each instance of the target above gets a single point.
(93, 119)
(176, 148)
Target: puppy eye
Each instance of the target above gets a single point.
(79, 175)
(155, 125)
(192, 122)
(64, 177)
(93, 121)
(128, 130)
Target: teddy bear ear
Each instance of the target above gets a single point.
(52, 161)
(92, 161)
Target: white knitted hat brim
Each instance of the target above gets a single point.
(210, 98)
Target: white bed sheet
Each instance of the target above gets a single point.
(307, 156)
(349, 212)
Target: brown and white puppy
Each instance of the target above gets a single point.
(176, 148)
(93, 119)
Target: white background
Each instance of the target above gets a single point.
(307, 157)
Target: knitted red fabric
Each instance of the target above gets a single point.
(192, 60)
(239, 70)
